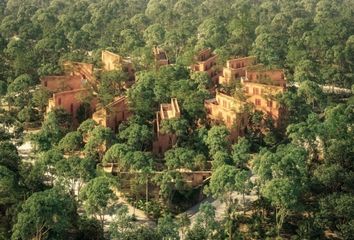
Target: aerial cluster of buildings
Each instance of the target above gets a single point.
(259, 87)
(75, 88)
(258, 84)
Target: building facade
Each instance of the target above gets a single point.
(114, 114)
(205, 61)
(165, 141)
(261, 87)
(112, 61)
(235, 69)
(62, 83)
(227, 110)
(160, 56)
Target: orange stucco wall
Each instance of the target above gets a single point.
(205, 62)
(263, 98)
(275, 77)
(229, 111)
(235, 69)
(114, 115)
(113, 61)
(163, 142)
(70, 101)
(62, 83)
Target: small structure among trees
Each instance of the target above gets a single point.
(165, 140)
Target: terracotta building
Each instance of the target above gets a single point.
(261, 86)
(227, 110)
(76, 75)
(164, 141)
(113, 114)
(160, 57)
(70, 101)
(85, 70)
(112, 61)
(235, 69)
(205, 61)
(71, 89)
(62, 83)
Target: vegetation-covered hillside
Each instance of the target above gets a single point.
(301, 174)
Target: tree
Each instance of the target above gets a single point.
(72, 173)
(89, 229)
(336, 212)
(83, 112)
(180, 158)
(99, 140)
(224, 181)
(167, 228)
(141, 96)
(56, 125)
(212, 33)
(47, 161)
(283, 177)
(18, 91)
(98, 198)
(9, 157)
(307, 134)
(154, 35)
(243, 184)
(71, 142)
(240, 153)
(86, 127)
(21, 84)
(169, 181)
(111, 85)
(242, 28)
(183, 222)
(217, 139)
(283, 194)
(44, 215)
(174, 127)
(136, 136)
(205, 227)
(312, 93)
(40, 99)
(288, 161)
(221, 158)
(10, 189)
(118, 153)
(10, 196)
(306, 70)
(122, 225)
(202, 79)
(27, 115)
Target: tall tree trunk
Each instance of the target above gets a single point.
(147, 189)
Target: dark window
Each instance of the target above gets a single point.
(258, 102)
(72, 108)
(269, 104)
(59, 101)
(45, 83)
